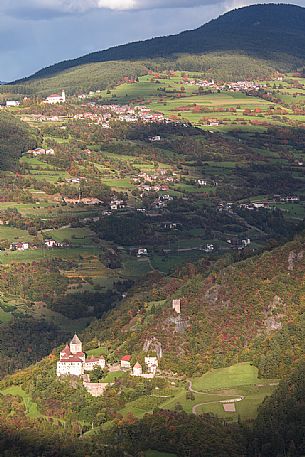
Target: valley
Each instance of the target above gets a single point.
(154, 208)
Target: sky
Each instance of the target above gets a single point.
(37, 33)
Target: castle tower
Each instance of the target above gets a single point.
(76, 345)
(177, 305)
(137, 370)
(63, 96)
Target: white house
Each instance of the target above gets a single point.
(56, 98)
(50, 243)
(209, 248)
(142, 252)
(202, 182)
(19, 246)
(117, 204)
(11, 103)
(155, 138)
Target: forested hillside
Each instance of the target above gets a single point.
(15, 138)
(82, 79)
(251, 310)
(279, 429)
(266, 31)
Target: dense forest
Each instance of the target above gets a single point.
(15, 138)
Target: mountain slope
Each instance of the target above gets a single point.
(249, 311)
(261, 30)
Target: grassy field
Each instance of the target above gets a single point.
(236, 375)
(239, 382)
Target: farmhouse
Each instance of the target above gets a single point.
(21, 246)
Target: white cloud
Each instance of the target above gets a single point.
(40, 9)
(79, 6)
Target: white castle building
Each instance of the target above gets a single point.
(72, 360)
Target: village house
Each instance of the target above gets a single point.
(209, 248)
(169, 226)
(117, 204)
(153, 139)
(12, 103)
(56, 98)
(202, 182)
(125, 362)
(142, 252)
(50, 243)
(20, 246)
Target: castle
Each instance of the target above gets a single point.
(72, 360)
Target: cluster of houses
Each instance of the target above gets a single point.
(123, 113)
(25, 246)
(239, 86)
(73, 361)
(159, 181)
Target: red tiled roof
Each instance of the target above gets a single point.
(95, 359)
(66, 350)
(126, 358)
(75, 340)
(79, 354)
(71, 359)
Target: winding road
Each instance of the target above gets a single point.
(229, 400)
